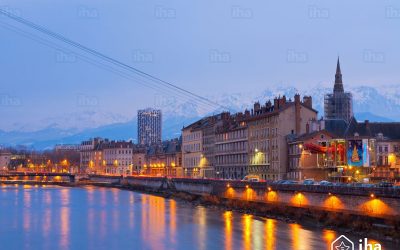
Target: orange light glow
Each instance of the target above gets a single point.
(377, 207)
(295, 231)
(270, 231)
(247, 219)
(299, 200)
(249, 194)
(333, 202)
(228, 229)
(230, 193)
(392, 159)
(301, 239)
(328, 236)
(172, 212)
(271, 196)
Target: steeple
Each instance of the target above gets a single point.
(338, 87)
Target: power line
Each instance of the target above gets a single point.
(110, 59)
(95, 62)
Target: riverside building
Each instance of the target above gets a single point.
(231, 148)
(268, 127)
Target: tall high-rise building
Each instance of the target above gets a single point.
(339, 104)
(149, 126)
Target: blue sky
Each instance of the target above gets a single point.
(208, 47)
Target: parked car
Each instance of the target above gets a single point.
(367, 185)
(339, 184)
(279, 182)
(251, 178)
(325, 183)
(308, 182)
(385, 184)
(290, 182)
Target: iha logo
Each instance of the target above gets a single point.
(344, 243)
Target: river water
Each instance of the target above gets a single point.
(52, 217)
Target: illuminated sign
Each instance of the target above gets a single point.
(355, 153)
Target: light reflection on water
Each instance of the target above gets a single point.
(99, 218)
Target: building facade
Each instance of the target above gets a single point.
(268, 126)
(138, 159)
(118, 157)
(149, 126)
(90, 156)
(5, 158)
(165, 159)
(307, 156)
(231, 148)
(192, 149)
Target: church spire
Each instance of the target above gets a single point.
(338, 87)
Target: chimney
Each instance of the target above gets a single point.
(297, 112)
(276, 105)
(307, 101)
(297, 98)
(282, 101)
(256, 107)
(268, 104)
(367, 125)
(225, 115)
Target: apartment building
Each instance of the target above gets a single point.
(5, 158)
(91, 160)
(192, 149)
(268, 126)
(231, 148)
(165, 159)
(117, 157)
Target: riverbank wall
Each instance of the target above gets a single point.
(372, 202)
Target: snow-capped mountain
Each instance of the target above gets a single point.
(72, 122)
(375, 104)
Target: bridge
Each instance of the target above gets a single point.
(30, 177)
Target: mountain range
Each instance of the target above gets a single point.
(370, 103)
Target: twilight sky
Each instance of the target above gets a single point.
(206, 46)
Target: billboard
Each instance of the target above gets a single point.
(365, 152)
(355, 153)
(340, 153)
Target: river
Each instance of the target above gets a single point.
(52, 217)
